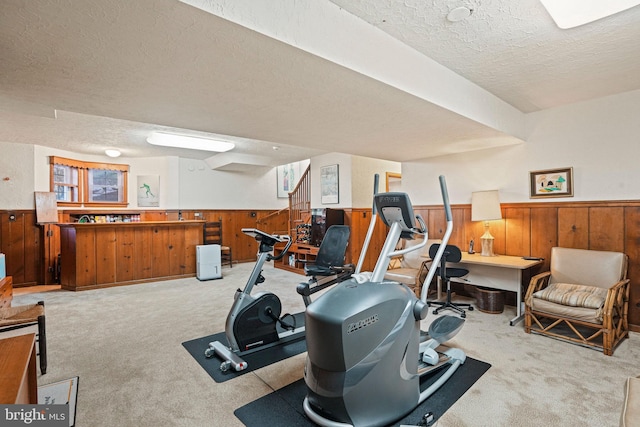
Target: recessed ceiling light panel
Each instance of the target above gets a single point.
(573, 13)
(191, 142)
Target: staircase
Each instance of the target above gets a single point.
(286, 221)
(300, 203)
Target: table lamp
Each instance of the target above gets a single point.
(485, 206)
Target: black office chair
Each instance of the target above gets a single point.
(328, 268)
(451, 254)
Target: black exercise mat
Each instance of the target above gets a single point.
(254, 361)
(284, 407)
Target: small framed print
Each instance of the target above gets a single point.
(329, 185)
(551, 183)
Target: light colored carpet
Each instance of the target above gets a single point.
(125, 345)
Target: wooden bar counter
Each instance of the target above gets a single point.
(98, 255)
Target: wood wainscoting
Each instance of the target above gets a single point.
(530, 228)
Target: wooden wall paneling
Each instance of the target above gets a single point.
(49, 249)
(573, 227)
(632, 249)
(193, 237)
(125, 240)
(68, 259)
(153, 216)
(246, 219)
(143, 242)
(498, 230)
(517, 231)
(171, 215)
(85, 250)
(359, 221)
(354, 246)
(32, 249)
(277, 222)
(606, 228)
(177, 249)
(459, 235)
(159, 251)
(106, 255)
(544, 233)
(473, 230)
(13, 245)
(435, 220)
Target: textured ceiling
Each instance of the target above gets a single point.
(116, 70)
(514, 50)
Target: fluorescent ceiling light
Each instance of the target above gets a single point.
(573, 13)
(190, 142)
(112, 152)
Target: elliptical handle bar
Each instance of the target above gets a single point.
(445, 238)
(376, 180)
(372, 225)
(445, 198)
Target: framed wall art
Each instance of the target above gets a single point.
(287, 177)
(551, 183)
(329, 188)
(148, 190)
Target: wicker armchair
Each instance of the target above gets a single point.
(583, 299)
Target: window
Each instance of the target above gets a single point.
(104, 186)
(65, 183)
(89, 183)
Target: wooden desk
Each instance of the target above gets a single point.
(497, 272)
(18, 376)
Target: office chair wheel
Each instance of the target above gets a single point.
(463, 315)
(470, 308)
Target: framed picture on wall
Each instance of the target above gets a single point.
(329, 188)
(287, 177)
(551, 183)
(148, 190)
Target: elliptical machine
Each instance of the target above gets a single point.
(365, 350)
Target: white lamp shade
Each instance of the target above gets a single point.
(485, 206)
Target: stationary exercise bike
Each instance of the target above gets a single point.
(254, 322)
(365, 350)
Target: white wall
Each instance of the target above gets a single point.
(363, 171)
(203, 188)
(344, 179)
(600, 139)
(17, 176)
(162, 166)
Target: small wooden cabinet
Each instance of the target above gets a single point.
(296, 257)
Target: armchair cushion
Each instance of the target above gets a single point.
(565, 294)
